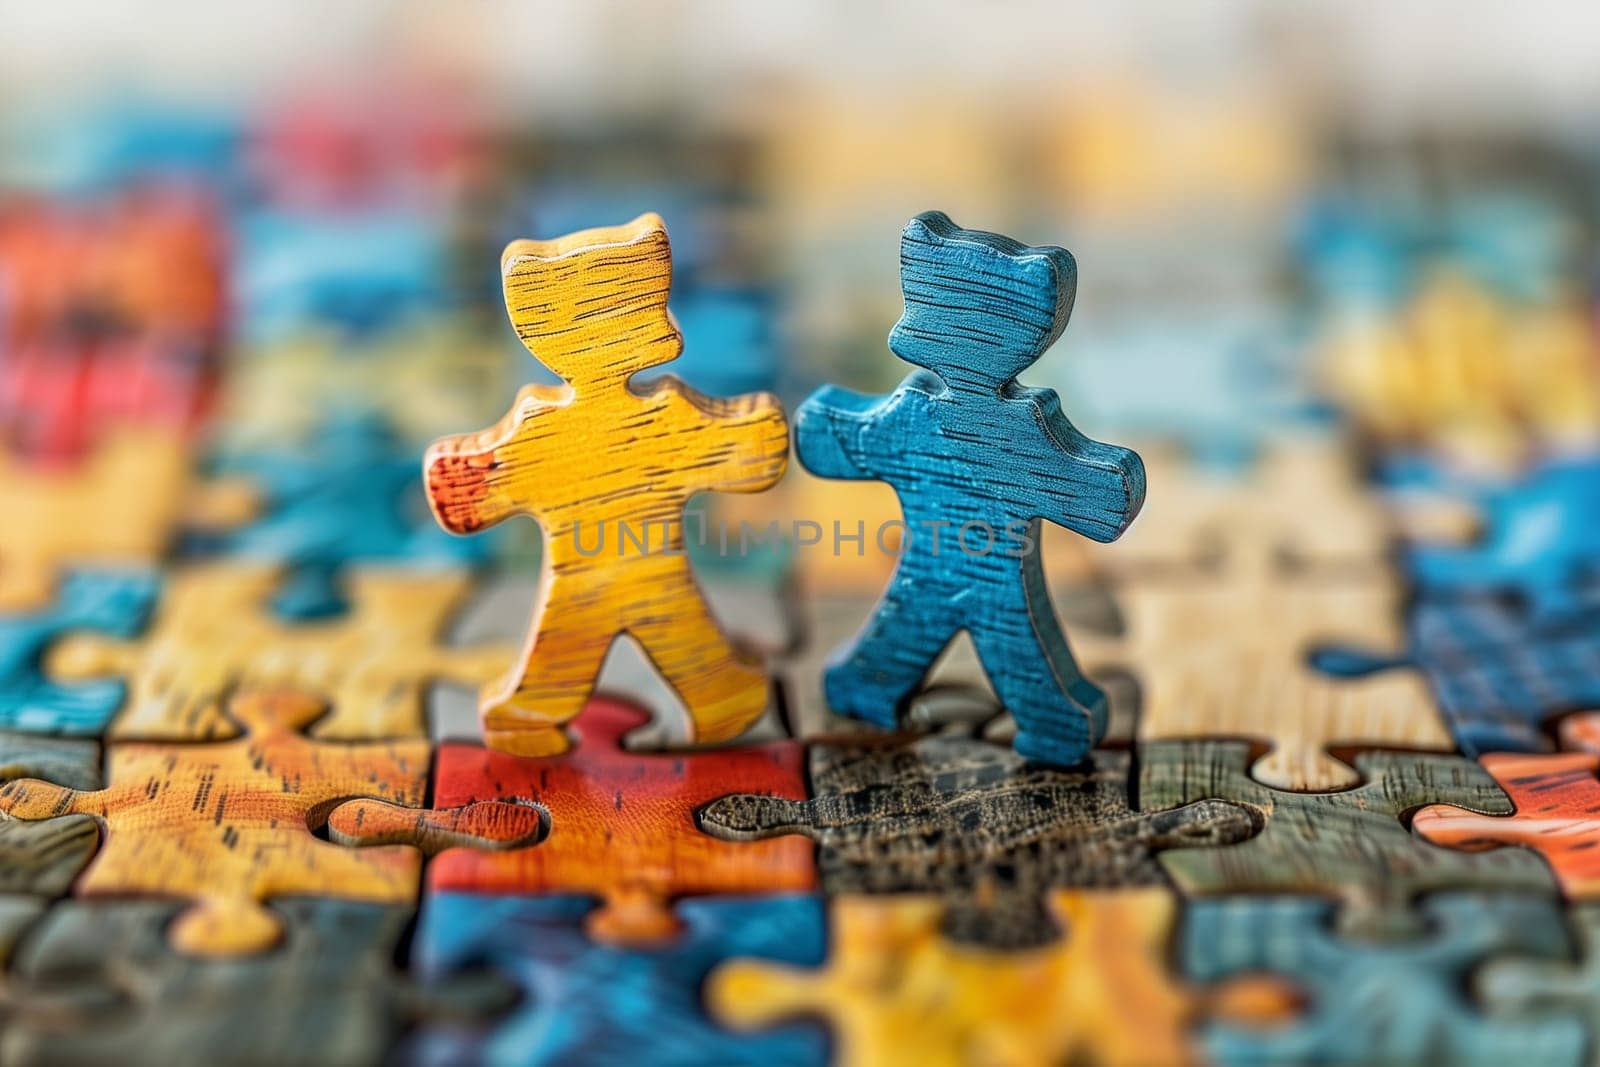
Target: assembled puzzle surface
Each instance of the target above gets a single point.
(1194, 752)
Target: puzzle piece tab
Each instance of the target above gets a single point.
(973, 822)
(1350, 845)
(622, 824)
(602, 1004)
(1378, 1002)
(213, 631)
(895, 992)
(226, 825)
(42, 858)
(983, 461)
(593, 452)
(1555, 992)
(116, 603)
(1555, 798)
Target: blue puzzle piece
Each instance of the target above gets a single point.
(1497, 673)
(1379, 1002)
(978, 462)
(1541, 541)
(356, 272)
(585, 1002)
(352, 495)
(112, 602)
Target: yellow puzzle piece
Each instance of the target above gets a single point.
(225, 825)
(896, 992)
(214, 631)
(607, 470)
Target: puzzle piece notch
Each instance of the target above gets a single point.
(600, 1003)
(1350, 845)
(1392, 1001)
(895, 991)
(1560, 991)
(117, 603)
(967, 448)
(212, 632)
(592, 307)
(973, 822)
(622, 824)
(1554, 800)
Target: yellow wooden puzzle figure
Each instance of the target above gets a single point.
(607, 470)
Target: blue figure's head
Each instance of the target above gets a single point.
(980, 308)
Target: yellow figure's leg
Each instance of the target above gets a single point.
(724, 687)
(554, 677)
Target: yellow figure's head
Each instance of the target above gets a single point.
(592, 306)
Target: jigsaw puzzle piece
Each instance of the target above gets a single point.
(112, 602)
(980, 309)
(1498, 673)
(500, 824)
(43, 858)
(351, 493)
(622, 824)
(571, 456)
(1264, 682)
(591, 1002)
(1557, 993)
(1554, 798)
(1350, 845)
(225, 825)
(973, 822)
(1378, 1002)
(896, 992)
(213, 632)
(1539, 541)
(329, 995)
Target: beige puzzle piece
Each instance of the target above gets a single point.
(214, 631)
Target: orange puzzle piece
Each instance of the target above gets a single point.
(607, 470)
(1556, 797)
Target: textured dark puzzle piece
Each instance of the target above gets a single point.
(975, 823)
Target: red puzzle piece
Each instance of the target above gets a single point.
(622, 824)
(1557, 799)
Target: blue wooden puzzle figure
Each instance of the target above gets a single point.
(1541, 540)
(588, 1002)
(978, 461)
(117, 603)
(351, 494)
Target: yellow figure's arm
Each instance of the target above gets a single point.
(740, 444)
(476, 480)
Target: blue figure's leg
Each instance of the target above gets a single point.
(872, 676)
(1060, 714)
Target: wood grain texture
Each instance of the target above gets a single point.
(975, 824)
(42, 858)
(966, 447)
(1228, 655)
(622, 824)
(1350, 845)
(590, 1002)
(1555, 797)
(214, 631)
(895, 992)
(228, 824)
(1378, 1002)
(591, 455)
(329, 995)
(117, 509)
(496, 824)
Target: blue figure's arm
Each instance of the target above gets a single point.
(831, 430)
(1095, 489)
